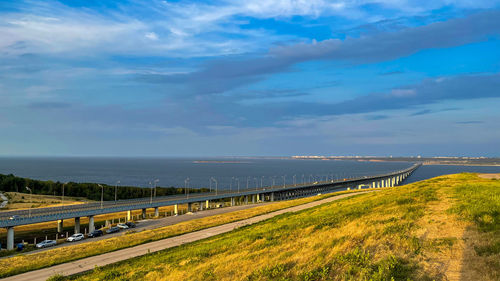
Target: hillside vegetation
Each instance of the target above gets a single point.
(446, 228)
(23, 263)
(91, 191)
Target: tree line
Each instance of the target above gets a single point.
(91, 191)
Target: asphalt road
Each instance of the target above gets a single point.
(90, 263)
(155, 223)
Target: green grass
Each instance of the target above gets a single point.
(23, 263)
(403, 233)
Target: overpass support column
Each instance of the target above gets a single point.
(246, 199)
(157, 212)
(200, 206)
(272, 197)
(207, 204)
(77, 225)
(233, 201)
(176, 209)
(91, 224)
(143, 213)
(59, 226)
(189, 207)
(10, 238)
(129, 215)
(257, 197)
(253, 198)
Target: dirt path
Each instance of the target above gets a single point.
(90, 263)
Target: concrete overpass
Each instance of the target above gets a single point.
(11, 219)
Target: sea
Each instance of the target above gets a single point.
(229, 173)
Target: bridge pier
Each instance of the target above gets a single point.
(272, 197)
(129, 215)
(200, 206)
(207, 204)
(176, 209)
(144, 213)
(189, 207)
(59, 226)
(77, 225)
(91, 224)
(233, 201)
(157, 212)
(253, 198)
(10, 238)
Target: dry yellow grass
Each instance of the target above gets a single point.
(23, 263)
(19, 201)
(445, 228)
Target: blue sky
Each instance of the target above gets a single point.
(220, 78)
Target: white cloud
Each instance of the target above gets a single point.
(151, 36)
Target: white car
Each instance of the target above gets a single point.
(75, 237)
(46, 243)
(122, 226)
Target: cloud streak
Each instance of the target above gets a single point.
(222, 75)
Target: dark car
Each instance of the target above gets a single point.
(113, 229)
(95, 233)
(130, 224)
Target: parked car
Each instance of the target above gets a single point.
(130, 224)
(122, 226)
(14, 217)
(113, 229)
(46, 243)
(95, 233)
(75, 237)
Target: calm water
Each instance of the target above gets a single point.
(174, 171)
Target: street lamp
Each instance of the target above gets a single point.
(284, 177)
(186, 187)
(231, 185)
(294, 180)
(31, 199)
(156, 182)
(238, 179)
(302, 178)
(116, 187)
(248, 178)
(216, 185)
(274, 181)
(261, 178)
(102, 194)
(256, 183)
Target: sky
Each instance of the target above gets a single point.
(250, 78)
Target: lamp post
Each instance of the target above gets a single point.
(302, 178)
(102, 193)
(116, 188)
(156, 183)
(284, 180)
(274, 181)
(231, 185)
(151, 197)
(216, 185)
(294, 180)
(261, 179)
(238, 179)
(31, 199)
(186, 187)
(256, 183)
(247, 181)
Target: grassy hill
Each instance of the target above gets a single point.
(446, 228)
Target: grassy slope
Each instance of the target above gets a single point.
(19, 201)
(445, 228)
(28, 262)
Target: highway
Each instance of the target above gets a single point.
(86, 264)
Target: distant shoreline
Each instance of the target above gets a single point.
(220, 162)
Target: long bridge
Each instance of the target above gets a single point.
(11, 219)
